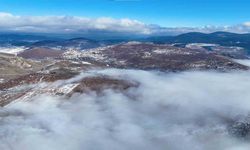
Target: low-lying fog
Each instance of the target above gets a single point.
(168, 111)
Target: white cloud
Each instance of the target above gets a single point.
(180, 111)
(69, 24)
(75, 24)
(247, 24)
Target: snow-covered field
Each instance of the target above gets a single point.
(12, 49)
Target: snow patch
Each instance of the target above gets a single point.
(1, 80)
(12, 49)
(245, 62)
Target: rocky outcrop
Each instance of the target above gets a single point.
(100, 83)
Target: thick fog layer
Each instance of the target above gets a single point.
(174, 111)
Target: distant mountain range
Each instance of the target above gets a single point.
(23, 39)
(221, 38)
(52, 42)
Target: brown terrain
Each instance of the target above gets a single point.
(28, 85)
(25, 78)
(40, 53)
(102, 82)
(149, 56)
(12, 66)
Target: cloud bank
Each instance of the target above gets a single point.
(179, 111)
(84, 25)
(69, 24)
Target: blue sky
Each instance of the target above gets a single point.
(124, 17)
(174, 13)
